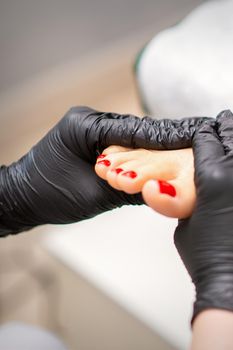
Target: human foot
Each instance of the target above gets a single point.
(137, 170)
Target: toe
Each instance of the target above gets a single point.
(110, 158)
(111, 177)
(102, 166)
(115, 149)
(127, 177)
(135, 173)
(107, 162)
(174, 199)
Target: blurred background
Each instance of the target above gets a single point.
(56, 54)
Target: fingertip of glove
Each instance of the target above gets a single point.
(208, 127)
(224, 121)
(224, 115)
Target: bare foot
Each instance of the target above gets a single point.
(165, 178)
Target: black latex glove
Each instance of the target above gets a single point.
(56, 183)
(205, 240)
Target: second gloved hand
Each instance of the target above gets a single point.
(205, 240)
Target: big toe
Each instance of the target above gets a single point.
(175, 198)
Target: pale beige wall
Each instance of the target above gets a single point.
(104, 82)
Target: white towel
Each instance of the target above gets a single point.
(187, 70)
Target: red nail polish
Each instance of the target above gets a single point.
(105, 162)
(167, 188)
(130, 174)
(117, 170)
(101, 156)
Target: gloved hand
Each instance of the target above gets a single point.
(205, 240)
(56, 183)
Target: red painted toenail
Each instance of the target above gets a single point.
(101, 156)
(167, 188)
(117, 170)
(130, 174)
(105, 162)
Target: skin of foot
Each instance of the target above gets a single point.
(165, 178)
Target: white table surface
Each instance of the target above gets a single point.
(129, 254)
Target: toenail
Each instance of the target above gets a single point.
(117, 170)
(105, 162)
(101, 156)
(167, 188)
(130, 174)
